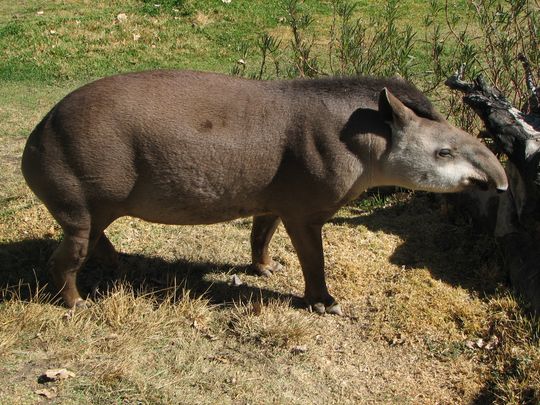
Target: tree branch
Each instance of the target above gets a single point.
(516, 134)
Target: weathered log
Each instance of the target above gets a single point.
(514, 133)
(514, 217)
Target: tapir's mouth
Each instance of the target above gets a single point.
(484, 185)
(479, 183)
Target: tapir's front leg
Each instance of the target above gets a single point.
(307, 240)
(264, 227)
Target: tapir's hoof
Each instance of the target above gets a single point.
(78, 304)
(82, 304)
(267, 269)
(321, 309)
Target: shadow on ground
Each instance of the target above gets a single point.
(450, 248)
(22, 263)
(452, 253)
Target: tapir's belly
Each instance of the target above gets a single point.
(179, 214)
(177, 188)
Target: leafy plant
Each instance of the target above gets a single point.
(303, 61)
(489, 43)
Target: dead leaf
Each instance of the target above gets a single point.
(235, 281)
(59, 373)
(136, 37)
(40, 12)
(48, 393)
(55, 374)
(482, 344)
(398, 339)
(50, 232)
(122, 17)
(492, 343)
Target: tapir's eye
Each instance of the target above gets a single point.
(445, 153)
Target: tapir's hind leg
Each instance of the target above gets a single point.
(104, 252)
(66, 261)
(49, 174)
(80, 240)
(263, 229)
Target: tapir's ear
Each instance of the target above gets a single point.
(392, 110)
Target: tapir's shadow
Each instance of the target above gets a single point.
(450, 247)
(22, 268)
(452, 253)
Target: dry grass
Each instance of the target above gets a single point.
(168, 327)
(273, 324)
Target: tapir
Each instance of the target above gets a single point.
(185, 147)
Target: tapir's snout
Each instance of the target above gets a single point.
(494, 171)
(499, 177)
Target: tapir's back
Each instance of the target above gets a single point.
(177, 136)
(203, 147)
(162, 102)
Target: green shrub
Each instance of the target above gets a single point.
(484, 36)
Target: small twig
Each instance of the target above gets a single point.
(528, 74)
(534, 90)
(456, 81)
(456, 36)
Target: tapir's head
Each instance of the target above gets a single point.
(432, 155)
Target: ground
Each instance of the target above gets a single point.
(428, 315)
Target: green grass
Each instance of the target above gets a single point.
(70, 41)
(76, 41)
